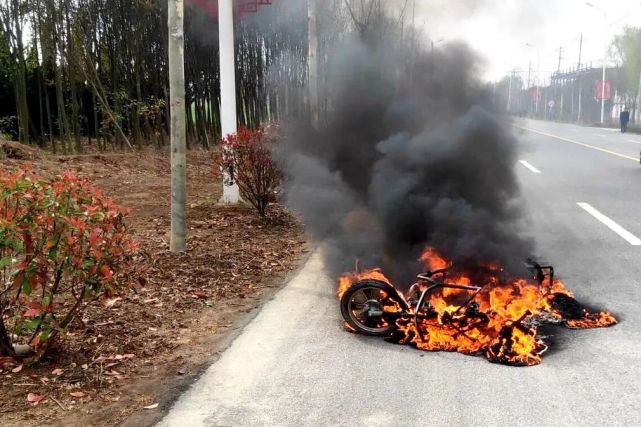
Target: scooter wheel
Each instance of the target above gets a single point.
(367, 305)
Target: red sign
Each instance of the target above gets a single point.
(536, 94)
(599, 90)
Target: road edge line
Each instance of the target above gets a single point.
(614, 153)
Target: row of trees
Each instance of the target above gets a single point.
(98, 69)
(626, 49)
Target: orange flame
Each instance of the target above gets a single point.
(504, 325)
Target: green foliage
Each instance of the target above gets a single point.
(9, 128)
(62, 245)
(627, 48)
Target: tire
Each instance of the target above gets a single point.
(361, 289)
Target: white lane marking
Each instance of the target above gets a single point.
(623, 156)
(632, 140)
(625, 234)
(529, 166)
(601, 135)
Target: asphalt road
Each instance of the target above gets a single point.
(295, 365)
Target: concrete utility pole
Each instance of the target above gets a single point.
(312, 60)
(538, 70)
(558, 68)
(178, 133)
(528, 92)
(578, 68)
(557, 84)
(231, 193)
(638, 112)
(509, 93)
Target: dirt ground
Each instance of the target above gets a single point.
(128, 361)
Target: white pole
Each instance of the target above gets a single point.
(228, 123)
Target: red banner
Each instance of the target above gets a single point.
(599, 90)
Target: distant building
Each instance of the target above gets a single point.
(574, 96)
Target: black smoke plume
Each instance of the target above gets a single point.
(407, 156)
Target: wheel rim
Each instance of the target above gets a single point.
(366, 308)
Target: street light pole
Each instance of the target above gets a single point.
(605, 56)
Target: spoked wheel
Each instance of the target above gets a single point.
(367, 305)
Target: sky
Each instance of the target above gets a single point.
(501, 29)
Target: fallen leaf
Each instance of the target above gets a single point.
(77, 394)
(110, 302)
(85, 366)
(17, 369)
(32, 312)
(108, 322)
(34, 398)
(154, 406)
(57, 372)
(200, 295)
(7, 361)
(124, 356)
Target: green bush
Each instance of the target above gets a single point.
(62, 245)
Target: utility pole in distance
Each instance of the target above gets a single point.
(558, 69)
(527, 92)
(509, 93)
(175, 22)
(578, 68)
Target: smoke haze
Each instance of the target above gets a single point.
(407, 156)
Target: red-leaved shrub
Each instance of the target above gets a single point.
(63, 244)
(247, 156)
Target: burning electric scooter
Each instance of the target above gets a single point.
(478, 312)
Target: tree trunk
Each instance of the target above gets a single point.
(312, 60)
(21, 80)
(178, 134)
